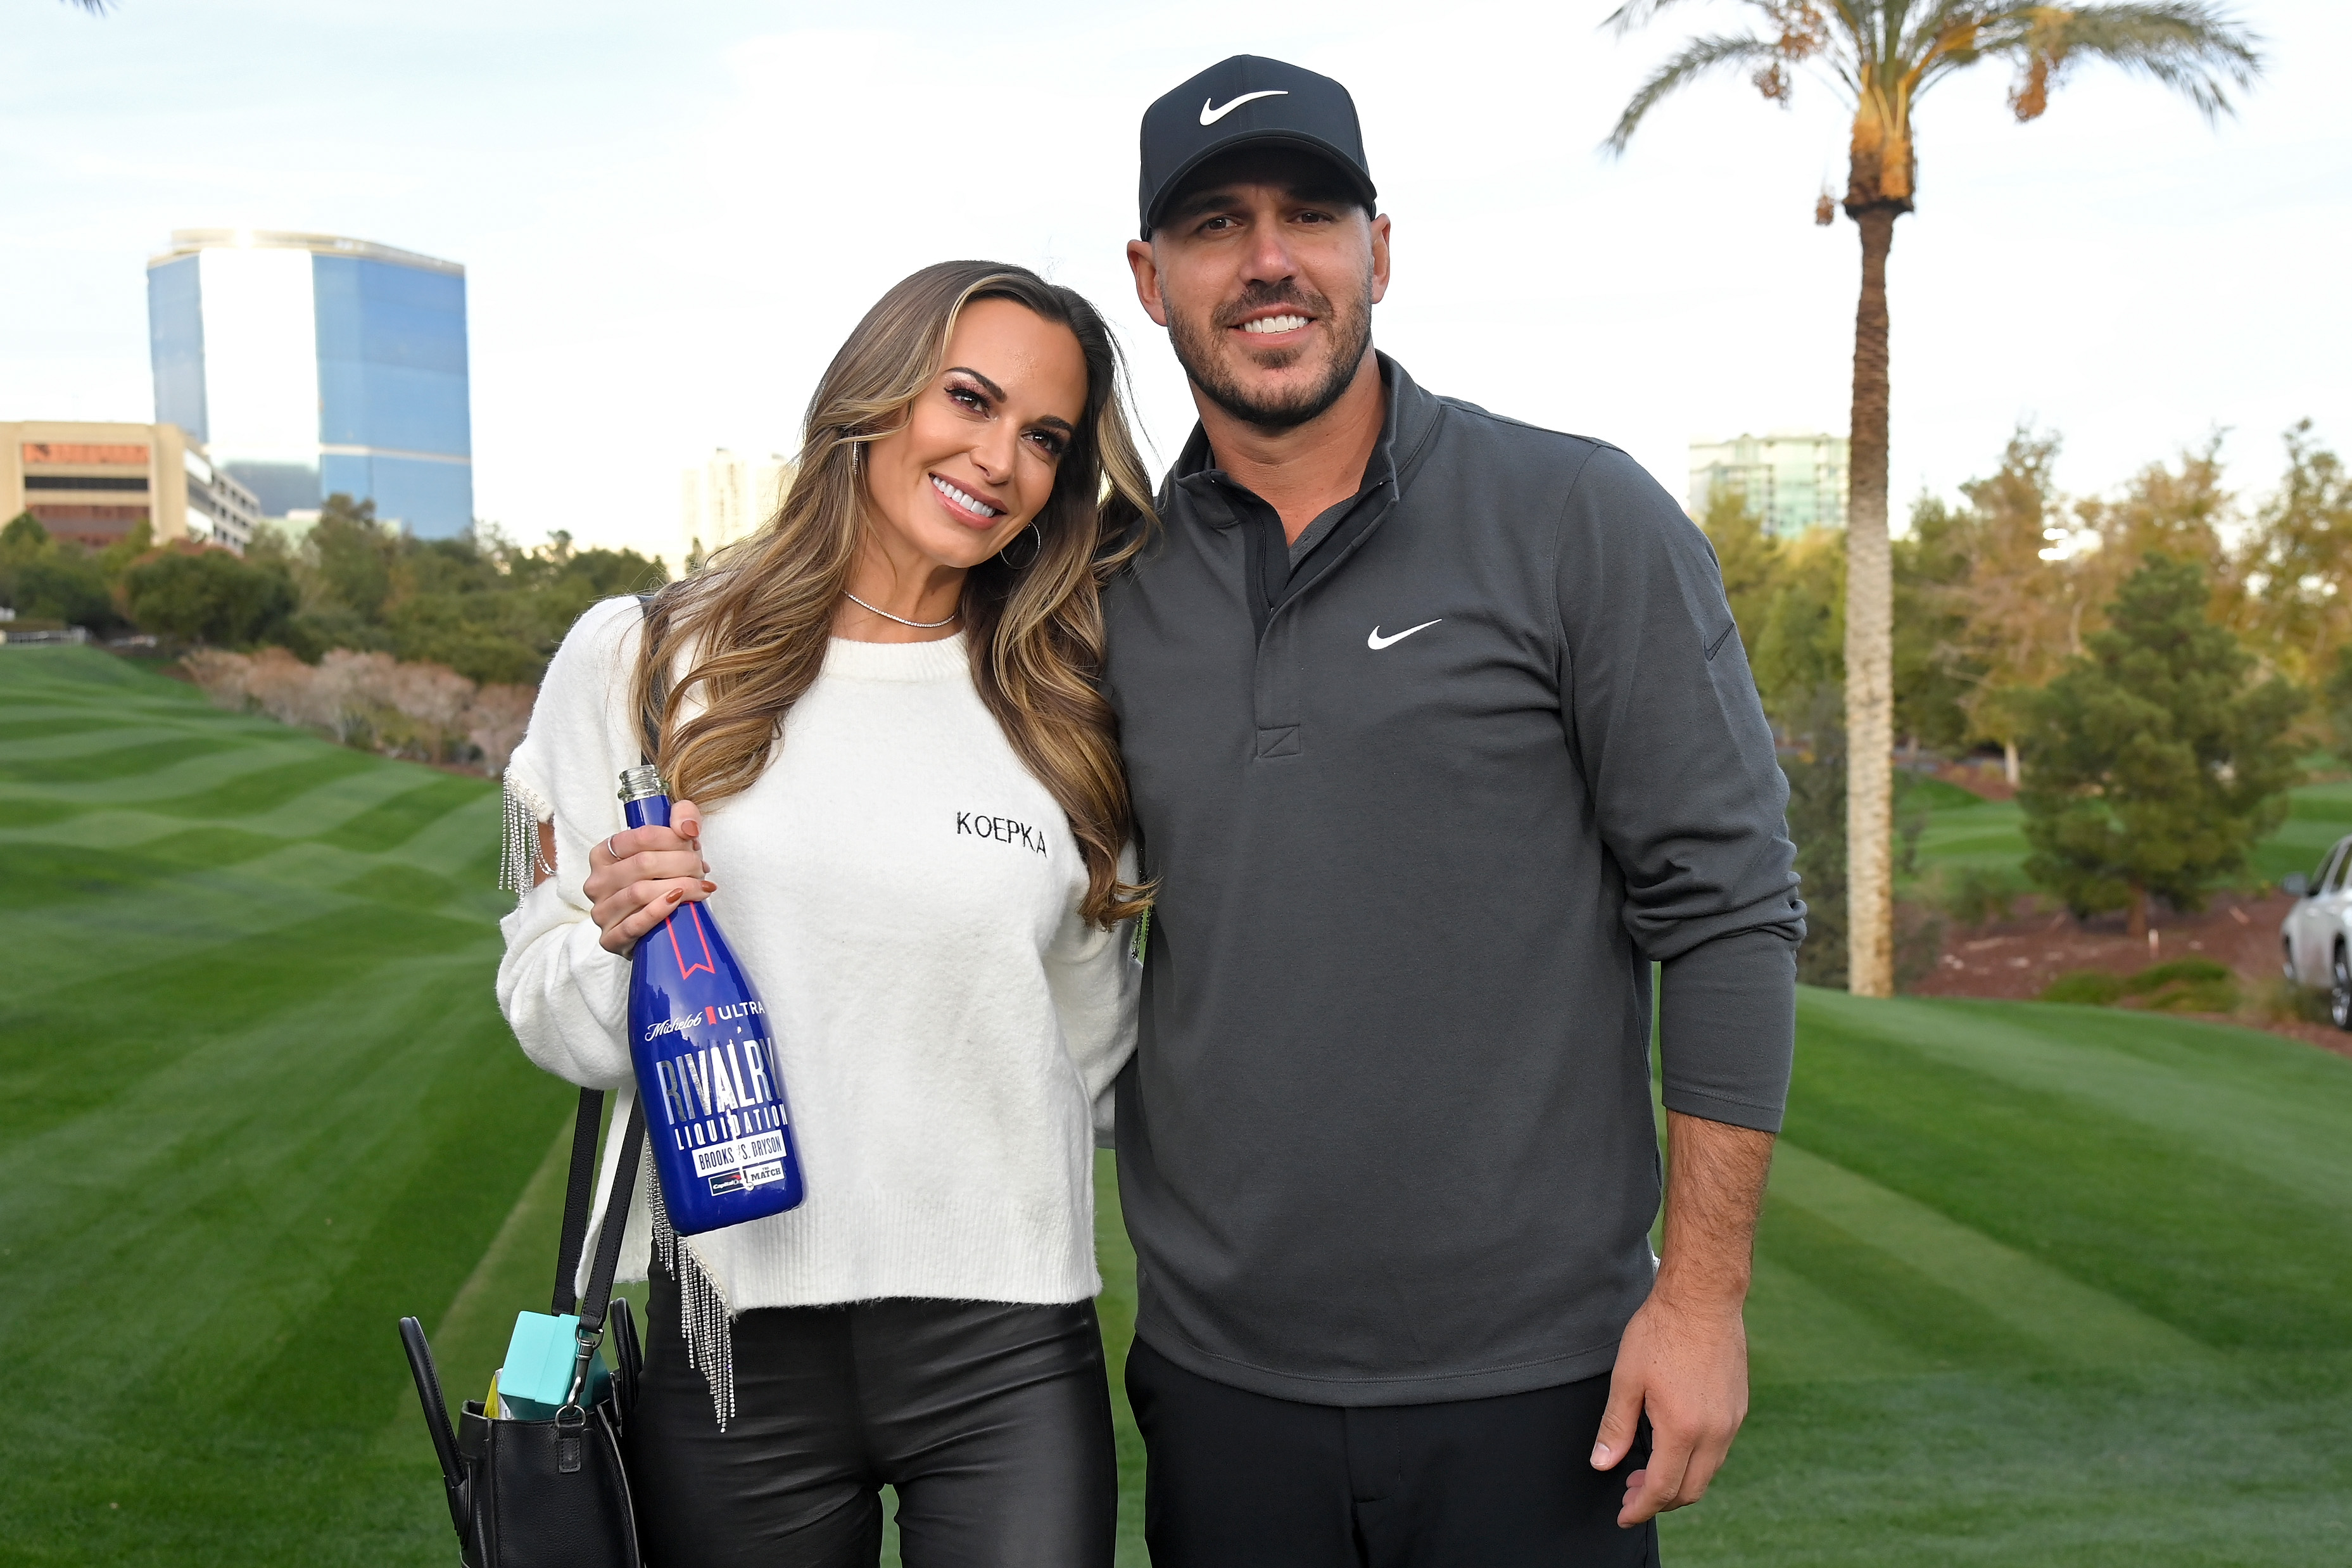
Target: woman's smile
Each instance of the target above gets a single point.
(964, 506)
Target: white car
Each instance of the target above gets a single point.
(2316, 935)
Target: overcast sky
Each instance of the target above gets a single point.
(670, 215)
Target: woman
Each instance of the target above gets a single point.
(891, 768)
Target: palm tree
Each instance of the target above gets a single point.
(1880, 55)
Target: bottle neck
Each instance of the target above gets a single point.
(653, 811)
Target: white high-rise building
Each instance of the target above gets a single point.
(1792, 480)
(729, 499)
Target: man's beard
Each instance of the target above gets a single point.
(1196, 351)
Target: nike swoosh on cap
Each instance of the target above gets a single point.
(1376, 642)
(1210, 116)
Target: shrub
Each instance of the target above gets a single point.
(2185, 985)
(2182, 985)
(2086, 988)
(418, 710)
(2189, 970)
(1919, 942)
(2280, 1000)
(1974, 895)
(496, 722)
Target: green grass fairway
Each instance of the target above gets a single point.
(1965, 830)
(2036, 1285)
(2046, 1285)
(255, 1103)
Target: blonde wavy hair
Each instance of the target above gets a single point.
(753, 623)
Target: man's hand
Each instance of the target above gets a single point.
(1687, 1367)
(1684, 1359)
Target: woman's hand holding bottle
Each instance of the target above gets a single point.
(639, 877)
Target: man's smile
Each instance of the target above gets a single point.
(1276, 326)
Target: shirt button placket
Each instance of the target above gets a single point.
(1277, 689)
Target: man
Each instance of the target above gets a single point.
(1440, 734)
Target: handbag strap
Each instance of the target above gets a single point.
(578, 1195)
(579, 1192)
(593, 1305)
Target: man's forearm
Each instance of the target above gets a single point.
(1715, 1190)
(1684, 1359)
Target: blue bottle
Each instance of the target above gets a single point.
(707, 1067)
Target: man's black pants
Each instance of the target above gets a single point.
(1243, 1481)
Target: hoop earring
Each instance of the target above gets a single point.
(1005, 555)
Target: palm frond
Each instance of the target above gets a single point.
(95, 7)
(2199, 50)
(1698, 56)
(1917, 29)
(1633, 14)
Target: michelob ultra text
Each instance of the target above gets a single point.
(707, 1064)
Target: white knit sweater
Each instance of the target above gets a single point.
(904, 896)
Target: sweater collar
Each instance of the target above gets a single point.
(912, 661)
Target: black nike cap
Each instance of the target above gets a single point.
(1248, 101)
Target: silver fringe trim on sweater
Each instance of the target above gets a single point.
(518, 855)
(702, 1316)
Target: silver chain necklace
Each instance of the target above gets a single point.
(918, 626)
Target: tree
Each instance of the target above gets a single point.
(2298, 563)
(2022, 615)
(2153, 764)
(43, 580)
(1815, 767)
(2177, 512)
(478, 603)
(1748, 557)
(1801, 647)
(208, 597)
(2335, 697)
(352, 556)
(1934, 669)
(1880, 57)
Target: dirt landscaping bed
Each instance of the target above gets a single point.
(2017, 959)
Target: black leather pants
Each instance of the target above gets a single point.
(992, 1421)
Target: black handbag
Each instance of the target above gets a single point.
(552, 1493)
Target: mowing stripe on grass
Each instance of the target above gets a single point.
(388, 824)
(2069, 1321)
(470, 1334)
(134, 759)
(2279, 1109)
(16, 731)
(288, 771)
(2066, 1178)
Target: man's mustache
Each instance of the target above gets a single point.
(1258, 296)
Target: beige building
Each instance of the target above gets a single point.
(94, 482)
(729, 499)
(1792, 480)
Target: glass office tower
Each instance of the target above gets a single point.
(309, 364)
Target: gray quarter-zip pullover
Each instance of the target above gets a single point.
(1426, 803)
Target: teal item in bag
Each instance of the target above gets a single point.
(536, 1380)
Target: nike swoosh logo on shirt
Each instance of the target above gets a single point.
(1211, 116)
(1376, 642)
